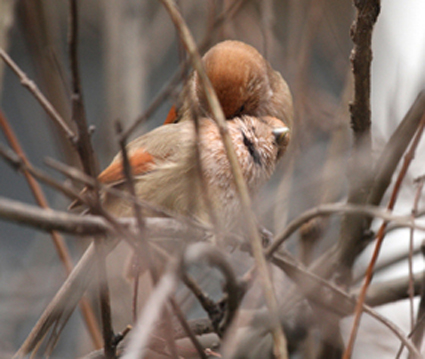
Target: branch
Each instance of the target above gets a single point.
(42, 100)
(58, 241)
(241, 187)
(140, 335)
(360, 169)
(391, 290)
(341, 303)
(48, 219)
(83, 143)
(361, 59)
(339, 208)
(380, 236)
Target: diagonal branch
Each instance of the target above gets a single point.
(35, 91)
(241, 187)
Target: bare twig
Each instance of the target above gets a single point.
(391, 291)
(137, 209)
(109, 346)
(327, 209)
(360, 164)
(16, 162)
(63, 303)
(58, 241)
(352, 244)
(83, 143)
(308, 283)
(241, 187)
(188, 330)
(380, 237)
(139, 336)
(202, 252)
(35, 91)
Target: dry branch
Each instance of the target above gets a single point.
(241, 187)
(58, 241)
(35, 91)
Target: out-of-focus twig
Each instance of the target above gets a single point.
(327, 209)
(109, 346)
(410, 256)
(380, 236)
(241, 187)
(35, 91)
(140, 335)
(83, 142)
(58, 241)
(187, 329)
(391, 290)
(307, 280)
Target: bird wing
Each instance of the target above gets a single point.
(146, 153)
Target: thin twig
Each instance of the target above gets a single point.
(280, 349)
(16, 163)
(35, 91)
(137, 209)
(202, 252)
(58, 241)
(380, 237)
(308, 283)
(391, 291)
(83, 143)
(139, 336)
(109, 346)
(351, 245)
(336, 208)
(186, 327)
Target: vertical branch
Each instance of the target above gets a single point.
(104, 299)
(83, 143)
(360, 165)
(361, 59)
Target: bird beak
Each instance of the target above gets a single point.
(281, 135)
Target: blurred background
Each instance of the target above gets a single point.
(129, 51)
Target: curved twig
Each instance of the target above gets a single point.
(202, 252)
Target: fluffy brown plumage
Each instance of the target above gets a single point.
(258, 106)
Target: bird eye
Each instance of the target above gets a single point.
(241, 109)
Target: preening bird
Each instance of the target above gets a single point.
(258, 107)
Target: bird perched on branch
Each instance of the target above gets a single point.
(257, 104)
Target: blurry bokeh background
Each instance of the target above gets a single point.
(129, 51)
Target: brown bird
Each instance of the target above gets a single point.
(258, 106)
(244, 82)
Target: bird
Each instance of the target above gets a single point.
(257, 104)
(245, 84)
